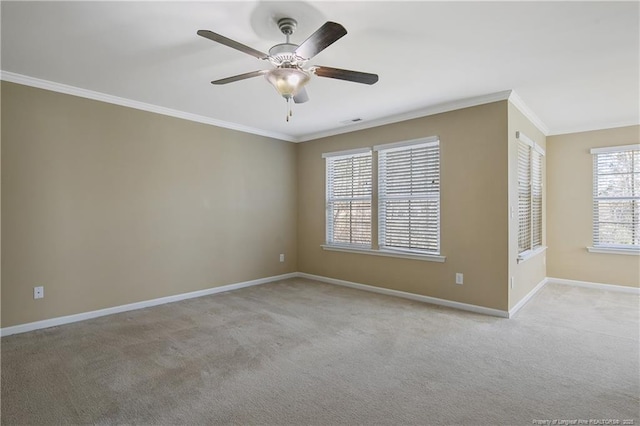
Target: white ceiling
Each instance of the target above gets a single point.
(574, 64)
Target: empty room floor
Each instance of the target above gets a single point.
(303, 352)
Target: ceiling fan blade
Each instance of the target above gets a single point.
(232, 43)
(301, 97)
(326, 35)
(355, 76)
(239, 77)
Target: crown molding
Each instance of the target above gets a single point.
(527, 112)
(594, 127)
(509, 95)
(103, 97)
(423, 112)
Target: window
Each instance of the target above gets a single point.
(348, 194)
(408, 202)
(409, 196)
(616, 198)
(530, 158)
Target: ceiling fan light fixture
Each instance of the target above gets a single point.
(287, 81)
(289, 76)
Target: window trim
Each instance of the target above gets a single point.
(429, 141)
(336, 155)
(346, 153)
(531, 251)
(614, 250)
(620, 148)
(374, 249)
(386, 253)
(632, 250)
(527, 140)
(528, 254)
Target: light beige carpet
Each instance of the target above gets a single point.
(301, 352)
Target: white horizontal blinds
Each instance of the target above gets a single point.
(530, 209)
(349, 199)
(536, 199)
(524, 197)
(409, 197)
(616, 198)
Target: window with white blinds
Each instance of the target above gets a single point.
(409, 196)
(536, 199)
(348, 189)
(530, 169)
(616, 197)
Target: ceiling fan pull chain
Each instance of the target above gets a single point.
(288, 110)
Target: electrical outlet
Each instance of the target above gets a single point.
(281, 257)
(511, 282)
(38, 292)
(459, 278)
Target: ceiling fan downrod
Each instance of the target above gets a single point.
(287, 26)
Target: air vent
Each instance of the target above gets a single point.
(353, 120)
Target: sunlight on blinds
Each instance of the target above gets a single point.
(616, 199)
(349, 199)
(409, 197)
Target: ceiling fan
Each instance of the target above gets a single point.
(290, 75)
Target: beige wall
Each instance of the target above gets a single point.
(529, 273)
(0, 204)
(474, 215)
(569, 213)
(105, 205)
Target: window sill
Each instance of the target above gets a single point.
(612, 250)
(386, 253)
(526, 255)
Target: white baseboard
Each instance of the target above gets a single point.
(528, 297)
(411, 296)
(599, 286)
(37, 325)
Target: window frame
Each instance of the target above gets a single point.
(384, 196)
(534, 187)
(329, 200)
(373, 249)
(598, 247)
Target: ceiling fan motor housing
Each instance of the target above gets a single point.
(284, 53)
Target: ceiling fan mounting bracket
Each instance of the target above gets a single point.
(287, 25)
